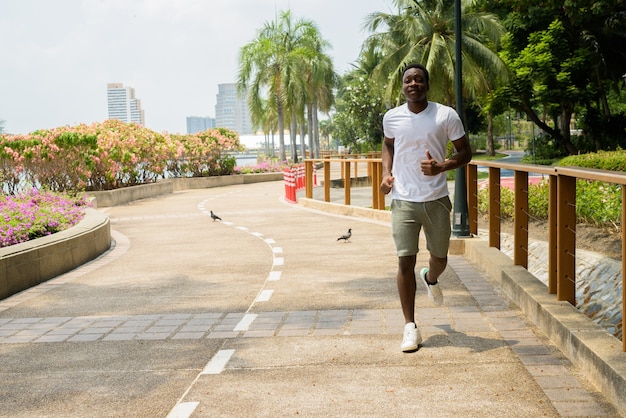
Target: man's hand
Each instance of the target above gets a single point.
(430, 166)
(386, 184)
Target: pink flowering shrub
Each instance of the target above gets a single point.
(204, 154)
(100, 156)
(35, 214)
(110, 155)
(262, 167)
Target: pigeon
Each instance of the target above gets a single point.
(215, 217)
(346, 237)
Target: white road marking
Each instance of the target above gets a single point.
(264, 296)
(183, 410)
(279, 261)
(218, 362)
(277, 250)
(242, 228)
(245, 322)
(274, 276)
(270, 241)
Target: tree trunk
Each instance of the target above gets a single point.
(292, 135)
(316, 131)
(281, 129)
(563, 140)
(309, 117)
(302, 140)
(491, 149)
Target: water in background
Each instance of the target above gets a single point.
(246, 159)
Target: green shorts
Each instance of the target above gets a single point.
(408, 218)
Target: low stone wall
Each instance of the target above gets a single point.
(126, 195)
(27, 264)
(340, 209)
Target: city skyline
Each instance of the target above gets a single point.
(123, 105)
(175, 54)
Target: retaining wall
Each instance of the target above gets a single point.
(29, 263)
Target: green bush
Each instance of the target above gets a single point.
(597, 202)
(603, 160)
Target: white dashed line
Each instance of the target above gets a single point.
(279, 261)
(264, 296)
(218, 362)
(270, 241)
(274, 276)
(277, 250)
(245, 322)
(183, 410)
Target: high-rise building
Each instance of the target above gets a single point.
(231, 110)
(199, 124)
(123, 105)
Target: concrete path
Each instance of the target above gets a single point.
(266, 314)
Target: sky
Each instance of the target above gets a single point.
(57, 57)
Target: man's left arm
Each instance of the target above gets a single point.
(462, 156)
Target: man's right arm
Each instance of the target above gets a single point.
(387, 158)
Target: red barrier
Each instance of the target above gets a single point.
(290, 185)
(295, 180)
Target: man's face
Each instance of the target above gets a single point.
(414, 85)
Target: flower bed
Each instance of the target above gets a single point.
(36, 214)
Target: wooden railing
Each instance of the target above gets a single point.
(561, 211)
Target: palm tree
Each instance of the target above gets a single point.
(271, 63)
(264, 116)
(320, 81)
(423, 31)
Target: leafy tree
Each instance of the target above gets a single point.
(565, 56)
(264, 116)
(360, 109)
(320, 79)
(280, 64)
(423, 31)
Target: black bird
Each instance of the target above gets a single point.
(346, 237)
(215, 217)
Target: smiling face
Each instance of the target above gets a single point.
(415, 85)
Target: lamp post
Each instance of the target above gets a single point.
(460, 224)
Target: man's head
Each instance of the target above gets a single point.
(418, 67)
(415, 83)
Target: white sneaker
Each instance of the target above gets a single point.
(434, 291)
(412, 337)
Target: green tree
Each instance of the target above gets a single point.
(565, 56)
(423, 31)
(264, 117)
(357, 122)
(320, 79)
(278, 64)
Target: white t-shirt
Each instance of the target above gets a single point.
(413, 134)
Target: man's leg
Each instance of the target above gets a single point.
(436, 266)
(406, 286)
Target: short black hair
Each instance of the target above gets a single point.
(419, 67)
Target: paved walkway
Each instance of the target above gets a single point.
(266, 314)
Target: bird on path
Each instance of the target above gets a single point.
(215, 217)
(346, 237)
